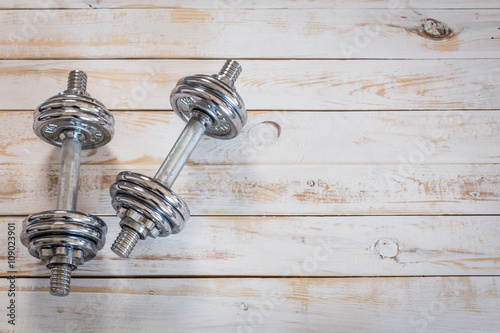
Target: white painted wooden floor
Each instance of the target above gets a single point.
(362, 196)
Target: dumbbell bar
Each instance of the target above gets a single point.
(65, 238)
(147, 206)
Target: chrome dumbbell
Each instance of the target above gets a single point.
(147, 206)
(65, 238)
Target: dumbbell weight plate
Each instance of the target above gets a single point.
(58, 227)
(213, 97)
(76, 113)
(78, 243)
(151, 199)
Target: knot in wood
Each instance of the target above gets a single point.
(387, 248)
(434, 28)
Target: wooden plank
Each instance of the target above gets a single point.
(254, 189)
(254, 4)
(270, 137)
(441, 304)
(297, 246)
(247, 33)
(268, 84)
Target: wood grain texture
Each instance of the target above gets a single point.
(255, 189)
(441, 304)
(247, 33)
(253, 4)
(268, 84)
(354, 110)
(297, 246)
(417, 137)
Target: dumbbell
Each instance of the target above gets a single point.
(64, 238)
(147, 206)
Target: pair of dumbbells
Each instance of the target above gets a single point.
(64, 238)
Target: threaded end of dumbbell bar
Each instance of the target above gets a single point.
(77, 80)
(230, 72)
(60, 279)
(125, 242)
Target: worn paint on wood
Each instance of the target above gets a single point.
(216, 33)
(281, 138)
(269, 84)
(298, 246)
(255, 189)
(418, 134)
(435, 304)
(253, 4)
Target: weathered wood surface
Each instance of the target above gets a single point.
(436, 304)
(268, 84)
(247, 33)
(245, 176)
(297, 246)
(280, 137)
(354, 111)
(279, 190)
(253, 4)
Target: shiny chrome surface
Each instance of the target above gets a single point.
(150, 199)
(55, 227)
(69, 172)
(65, 238)
(75, 110)
(182, 149)
(214, 95)
(147, 206)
